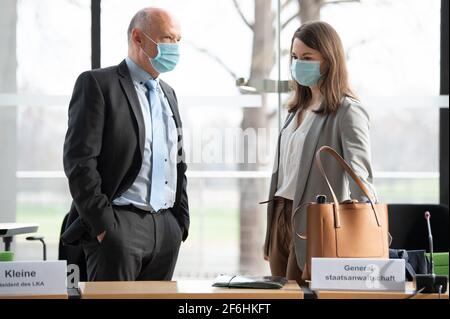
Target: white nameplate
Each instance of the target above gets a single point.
(33, 277)
(358, 274)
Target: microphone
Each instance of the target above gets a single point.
(430, 239)
(430, 283)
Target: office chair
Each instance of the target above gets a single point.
(408, 227)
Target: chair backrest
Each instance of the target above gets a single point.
(408, 227)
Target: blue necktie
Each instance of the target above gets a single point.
(159, 147)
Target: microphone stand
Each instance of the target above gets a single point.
(430, 283)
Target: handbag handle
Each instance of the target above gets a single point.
(349, 170)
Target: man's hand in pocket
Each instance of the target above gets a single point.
(101, 236)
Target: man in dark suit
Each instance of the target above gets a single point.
(124, 160)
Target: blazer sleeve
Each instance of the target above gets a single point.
(82, 146)
(355, 137)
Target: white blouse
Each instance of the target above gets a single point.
(291, 149)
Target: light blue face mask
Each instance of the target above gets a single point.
(167, 57)
(306, 73)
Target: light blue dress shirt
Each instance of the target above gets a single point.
(138, 194)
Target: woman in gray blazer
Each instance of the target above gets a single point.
(322, 111)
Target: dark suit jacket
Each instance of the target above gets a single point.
(103, 150)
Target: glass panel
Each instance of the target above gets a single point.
(53, 48)
(53, 44)
(406, 140)
(41, 198)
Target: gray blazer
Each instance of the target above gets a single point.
(347, 132)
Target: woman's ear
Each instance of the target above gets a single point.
(324, 65)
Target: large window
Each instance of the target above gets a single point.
(394, 63)
(53, 48)
(392, 50)
(230, 132)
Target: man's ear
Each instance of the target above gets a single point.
(136, 36)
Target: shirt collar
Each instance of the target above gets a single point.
(137, 73)
(141, 76)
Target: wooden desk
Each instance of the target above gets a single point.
(198, 289)
(409, 291)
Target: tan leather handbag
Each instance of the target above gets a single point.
(345, 230)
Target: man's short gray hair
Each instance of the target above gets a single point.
(140, 20)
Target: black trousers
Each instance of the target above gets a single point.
(141, 246)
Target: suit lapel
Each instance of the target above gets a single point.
(289, 118)
(308, 154)
(133, 101)
(274, 180)
(172, 103)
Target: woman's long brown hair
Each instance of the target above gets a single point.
(333, 83)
